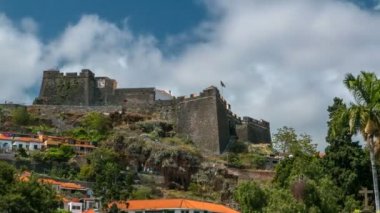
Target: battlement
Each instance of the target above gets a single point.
(52, 73)
(71, 74)
(87, 73)
(249, 120)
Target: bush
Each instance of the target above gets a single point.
(234, 161)
(142, 192)
(157, 128)
(251, 197)
(258, 161)
(20, 116)
(238, 147)
(96, 121)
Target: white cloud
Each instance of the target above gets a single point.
(283, 61)
(19, 59)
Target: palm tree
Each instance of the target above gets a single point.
(363, 116)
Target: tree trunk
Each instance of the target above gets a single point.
(374, 172)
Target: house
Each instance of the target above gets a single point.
(5, 143)
(75, 197)
(72, 205)
(80, 147)
(13, 141)
(27, 143)
(171, 206)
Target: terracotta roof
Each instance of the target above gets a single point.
(65, 185)
(159, 204)
(89, 211)
(27, 139)
(25, 176)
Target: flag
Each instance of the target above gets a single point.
(222, 84)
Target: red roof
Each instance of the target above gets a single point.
(160, 204)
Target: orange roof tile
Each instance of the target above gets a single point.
(3, 137)
(25, 176)
(89, 211)
(65, 185)
(172, 204)
(27, 139)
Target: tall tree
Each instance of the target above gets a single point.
(362, 115)
(345, 161)
(287, 142)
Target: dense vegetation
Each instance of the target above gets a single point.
(18, 196)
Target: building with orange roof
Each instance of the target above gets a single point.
(27, 143)
(171, 206)
(66, 190)
(12, 141)
(80, 146)
(5, 143)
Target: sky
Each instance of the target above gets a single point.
(281, 61)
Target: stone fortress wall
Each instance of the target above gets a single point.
(206, 117)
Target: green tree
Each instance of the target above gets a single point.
(363, 116)
(287, 142)
(106, 170)
(345, 161)
(24, 197)
(281, 200)
(60, 154)
(251, 197)
(98, 122)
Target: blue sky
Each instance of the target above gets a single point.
(160, 18)
(283, 61)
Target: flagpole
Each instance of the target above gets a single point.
(221, 88)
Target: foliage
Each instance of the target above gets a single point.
(20, 116)
(142, 193)
(97, 122)
(238, 147)
(60, 154)
(24, 196)
(345, 160)
(234, 160)
(94, 127)
(362, 116)
(251, 197)
(258, 161)
(156, 128)
(111, 181)
(281, 200)
(287, 142)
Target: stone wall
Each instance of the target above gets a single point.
(197, 118)
(69, 89)
(254, 131)
(55, 110)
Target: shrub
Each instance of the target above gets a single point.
(20, 116)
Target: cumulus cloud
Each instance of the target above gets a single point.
(283, 61)
(20, 57)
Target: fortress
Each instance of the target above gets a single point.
(206, 118)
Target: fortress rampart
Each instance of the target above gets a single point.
(205, 117)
